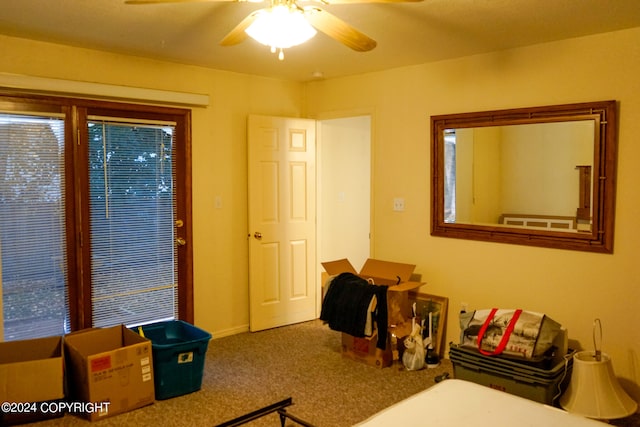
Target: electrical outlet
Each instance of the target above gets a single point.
(398, 204)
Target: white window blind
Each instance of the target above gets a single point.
(32, 226)
(132, 208)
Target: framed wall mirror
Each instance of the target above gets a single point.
(540, 176)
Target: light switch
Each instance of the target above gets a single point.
(218, 202)
(398, 204)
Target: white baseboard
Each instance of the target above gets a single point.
(231, 331)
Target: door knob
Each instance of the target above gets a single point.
(257, 235)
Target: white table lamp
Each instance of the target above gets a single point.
(594, 390)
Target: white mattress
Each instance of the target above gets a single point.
(455, 403)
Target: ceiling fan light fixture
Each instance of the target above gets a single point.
(280, 27)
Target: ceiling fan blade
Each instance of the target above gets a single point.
(367, 1)
(337, 29)
(173, 1)
(238, 35)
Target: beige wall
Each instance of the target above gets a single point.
(525, 166)
(572, 287)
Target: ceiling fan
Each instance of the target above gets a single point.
(285, 24)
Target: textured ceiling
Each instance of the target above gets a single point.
(407, 33)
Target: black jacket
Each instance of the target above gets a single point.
(346, 303)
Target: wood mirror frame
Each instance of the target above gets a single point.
(599, 235)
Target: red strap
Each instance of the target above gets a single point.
(505, 337)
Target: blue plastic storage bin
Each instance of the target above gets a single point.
(179, 350)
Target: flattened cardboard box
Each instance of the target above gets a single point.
(111, 365)
(31, 371)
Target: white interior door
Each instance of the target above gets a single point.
(282, 229)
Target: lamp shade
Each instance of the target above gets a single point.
(280, 27)
(594, 391)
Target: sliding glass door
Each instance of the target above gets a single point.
(94, 216)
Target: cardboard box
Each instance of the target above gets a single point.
(393, 274)
(109, 365)
(397, 277)
(32, 373)
(365, 350)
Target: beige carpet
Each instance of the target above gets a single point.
(247, 371)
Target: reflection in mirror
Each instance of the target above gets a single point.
(539, 176)
(509, 174)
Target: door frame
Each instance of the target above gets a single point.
(82, 316)
(332, 115)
